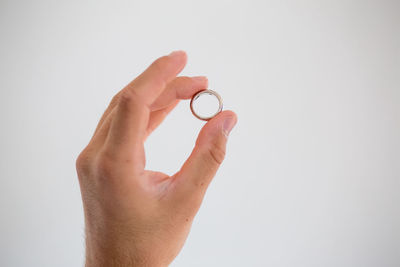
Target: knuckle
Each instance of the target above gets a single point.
(83, 163)
(104, 165)
(97, 168)
(130, 101)
(127, 97)
(115, 99)
(217, 153)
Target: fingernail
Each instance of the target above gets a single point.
(176, 53)
(228, 125)
(200, 79)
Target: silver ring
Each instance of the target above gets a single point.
(209, 92)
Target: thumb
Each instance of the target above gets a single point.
(197, 172)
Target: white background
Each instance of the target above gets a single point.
(312, 173)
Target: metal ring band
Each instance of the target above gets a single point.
(209, 92)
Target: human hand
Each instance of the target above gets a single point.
(138, 217)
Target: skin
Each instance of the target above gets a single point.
(134, 216)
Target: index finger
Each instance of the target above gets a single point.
(150, 84)
(128, 126)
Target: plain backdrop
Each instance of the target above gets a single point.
(312, 172)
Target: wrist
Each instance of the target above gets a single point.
(113, 253)
(102, 257)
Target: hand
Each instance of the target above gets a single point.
(138, 217)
